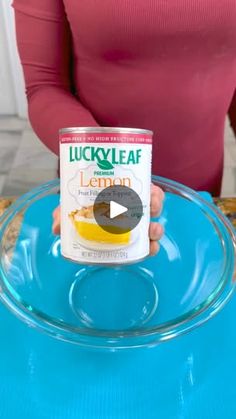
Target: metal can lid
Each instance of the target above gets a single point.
(105, 130)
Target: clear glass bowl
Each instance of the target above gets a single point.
(143, 304)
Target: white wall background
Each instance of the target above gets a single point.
(7, 97)
(12, 91)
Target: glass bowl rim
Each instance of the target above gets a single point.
(128, 338)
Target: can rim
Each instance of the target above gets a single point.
(120, 130)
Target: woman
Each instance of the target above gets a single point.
(165, 66)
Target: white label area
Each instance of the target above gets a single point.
(90, 164)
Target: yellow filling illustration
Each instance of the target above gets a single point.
(86, 226)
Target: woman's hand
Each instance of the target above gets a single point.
(155, 230)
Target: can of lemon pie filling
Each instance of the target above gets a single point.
(94, 160)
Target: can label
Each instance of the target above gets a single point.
(89, 163)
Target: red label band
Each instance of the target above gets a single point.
(117, 138)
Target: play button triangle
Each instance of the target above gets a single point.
(116, 209)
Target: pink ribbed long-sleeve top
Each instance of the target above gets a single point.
(169, 66)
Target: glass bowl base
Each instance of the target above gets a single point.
(113, 298)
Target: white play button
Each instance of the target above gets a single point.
(116, 209)
(123, 208)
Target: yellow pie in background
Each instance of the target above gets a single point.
(87, 227)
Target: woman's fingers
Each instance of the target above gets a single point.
(154, 248)
(155, 231)
(56, 226)
(56, 212)
(157, 197)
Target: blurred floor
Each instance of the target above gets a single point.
(25, 162)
